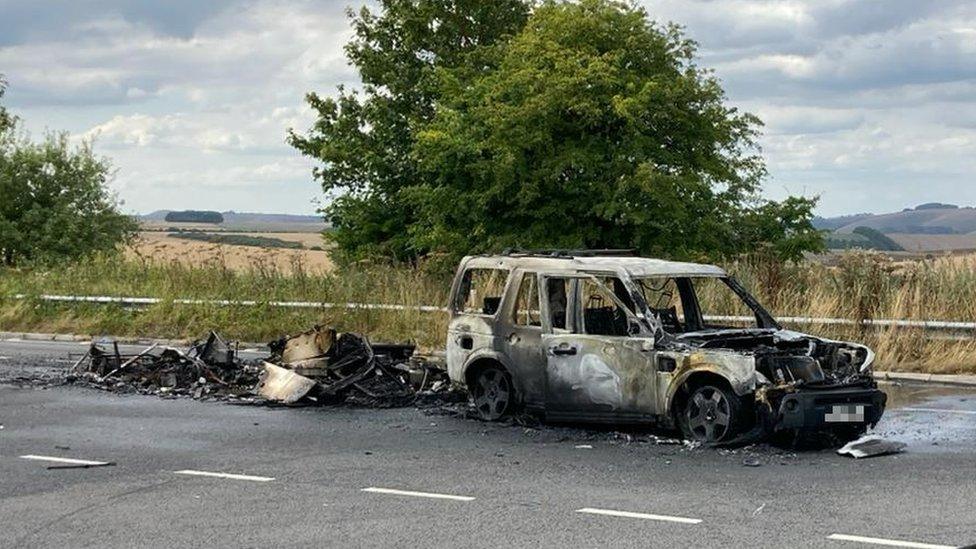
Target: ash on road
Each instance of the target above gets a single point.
(192, 473)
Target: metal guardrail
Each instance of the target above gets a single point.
(145, 301)
(878, 322)
(939, 325)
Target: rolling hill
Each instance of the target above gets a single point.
(936, 221)
(925, 228)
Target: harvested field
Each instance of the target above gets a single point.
(239, 226)
(159, 247)
(935, 242)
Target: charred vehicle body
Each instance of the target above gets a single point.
(604, 337)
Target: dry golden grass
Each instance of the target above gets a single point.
(867, 285)
(860, 286)
(160, 248)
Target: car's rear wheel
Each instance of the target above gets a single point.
(711, 414)
(493, 393)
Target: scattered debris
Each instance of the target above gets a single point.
(281, 385)
(208, 368)
(319, 366)
(327, 366)
(82, 465)
(870, 446)
(216, 352)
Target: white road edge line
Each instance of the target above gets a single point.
(223, 475)
(941, 410)
(887, 542)
(628, 514)
(64, 460)
(374, 490)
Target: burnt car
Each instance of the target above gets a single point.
(607, 337)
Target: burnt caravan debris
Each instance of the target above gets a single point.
(600, 336)
(319, 365)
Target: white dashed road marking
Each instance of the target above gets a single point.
(628, 514)
(64, 460)
(887, 542)
(941, 411)
(432, 495)
(223, 475)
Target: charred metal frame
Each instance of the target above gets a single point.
(566, 374)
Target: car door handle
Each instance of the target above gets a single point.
(563, 351)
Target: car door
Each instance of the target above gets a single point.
(598, 367)
(522, 330)
(474, 306)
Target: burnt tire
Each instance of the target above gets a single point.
(711, 414)
(493, 393)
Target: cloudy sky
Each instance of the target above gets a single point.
(869, 104)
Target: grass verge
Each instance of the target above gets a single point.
(860, 286)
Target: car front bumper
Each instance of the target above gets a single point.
(811, 409)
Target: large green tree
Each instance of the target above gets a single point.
(365, 139)
(6, 119)
(591, 126)
(54, 203)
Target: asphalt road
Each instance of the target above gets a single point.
(305, 471)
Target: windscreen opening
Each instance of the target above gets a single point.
(721, 307)
(689, 304)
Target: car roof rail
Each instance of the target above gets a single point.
(569, 254)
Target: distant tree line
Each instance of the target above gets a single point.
(195, 216)
(936, 206)
(864, 238)
(238, 239)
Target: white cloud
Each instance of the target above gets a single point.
(871, 104)
(208, 109)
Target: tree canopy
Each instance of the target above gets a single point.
(581, 124)
(54, 203)
(365, 139)
(6, 119)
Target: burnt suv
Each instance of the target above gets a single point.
(605, 337)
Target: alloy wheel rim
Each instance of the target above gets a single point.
(492, 394)
(708, 414)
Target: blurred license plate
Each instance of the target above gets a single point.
(845, 413)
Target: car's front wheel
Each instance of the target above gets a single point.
(493, 393)
(711, 414)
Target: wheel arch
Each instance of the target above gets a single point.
(479, 361)
(691, 381)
